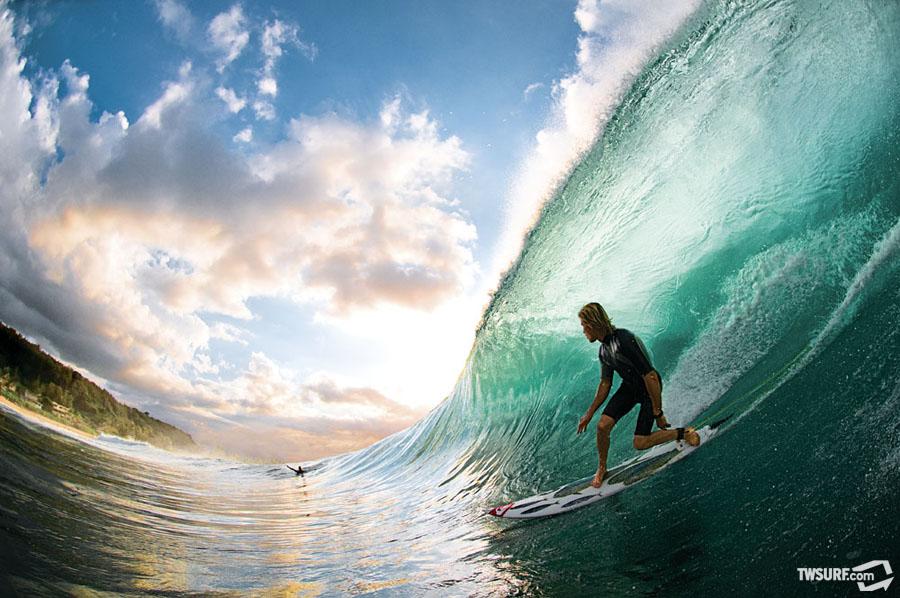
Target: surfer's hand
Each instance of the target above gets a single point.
(661, 422)
(583, 422)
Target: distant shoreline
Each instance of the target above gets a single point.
(56, 395)
(44, 420)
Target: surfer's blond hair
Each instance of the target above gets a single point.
(596, 316)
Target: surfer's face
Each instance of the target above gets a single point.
(589, 332)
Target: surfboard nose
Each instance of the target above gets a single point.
(501, 510)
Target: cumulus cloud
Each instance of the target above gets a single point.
(288, 439)
(269, 413)
(244, 136)
(228, 34)
(234, 103)
(228, 332)
(175, 17)
(264, 110)
(341, 213)
(175, 93)
(122, 242)
(277, 35)
(268, 86)
(617, 38)
(266, 388)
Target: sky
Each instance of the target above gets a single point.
(276, 224)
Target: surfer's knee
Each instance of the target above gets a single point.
(641, 442)
(605, 425)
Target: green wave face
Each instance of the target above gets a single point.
(744, 185)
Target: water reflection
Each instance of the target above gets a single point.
(128, 518)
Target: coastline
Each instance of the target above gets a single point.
(44, 420)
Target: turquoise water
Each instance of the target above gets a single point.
(741, 213)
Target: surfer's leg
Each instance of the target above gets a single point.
(643, 442)
(604, 427)
(644, 437)
(620, 404)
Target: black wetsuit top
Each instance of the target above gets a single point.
(623, 352)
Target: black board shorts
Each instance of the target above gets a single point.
(624, 401)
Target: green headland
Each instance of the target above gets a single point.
(37, 382)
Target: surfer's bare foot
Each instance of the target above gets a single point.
(598, 477)
(692, 437)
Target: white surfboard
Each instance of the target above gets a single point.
(581, 493)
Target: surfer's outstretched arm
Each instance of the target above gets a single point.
(599, 397)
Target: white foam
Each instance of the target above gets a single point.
(617, 38)
(766, 295)
(886, 249)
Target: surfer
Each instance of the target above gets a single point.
(298, 471)
(623, 352)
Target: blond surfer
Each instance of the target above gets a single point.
(624, 353)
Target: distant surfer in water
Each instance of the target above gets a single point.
(624, 353)
(298, 471)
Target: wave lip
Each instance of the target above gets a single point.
(617, 40)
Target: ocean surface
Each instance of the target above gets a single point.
(741, 213)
